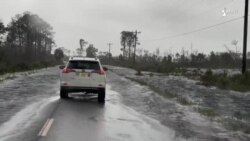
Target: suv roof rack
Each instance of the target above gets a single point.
(83, 57)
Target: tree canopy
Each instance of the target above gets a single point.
(29, 37)
(59, 54)
(91, 51)
(127, 41)
(27, 41)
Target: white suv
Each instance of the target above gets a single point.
(83, 74)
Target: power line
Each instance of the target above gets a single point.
(198, 30)
(211, 9)
(206, 11)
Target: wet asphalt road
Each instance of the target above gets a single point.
(31, 110)
(86, 120)
(32, 101)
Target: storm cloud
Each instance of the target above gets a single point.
(101, 21)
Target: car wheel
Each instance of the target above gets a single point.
(101, 96)
(63, 94)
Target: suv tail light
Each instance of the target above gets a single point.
(67, 70)
(101, 72)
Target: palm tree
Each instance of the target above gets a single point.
(127, 38)
(123, 42)
(82, 44)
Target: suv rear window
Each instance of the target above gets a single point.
(91, 65)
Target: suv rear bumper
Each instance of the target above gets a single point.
(69, 89)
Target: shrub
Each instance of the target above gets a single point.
(138, 72)
(22, 66)
(183, 101)
(223, 82)
(3, 69)
(245, 79)
(207, 112)
(237, 82)
(208, 78)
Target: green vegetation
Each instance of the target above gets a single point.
(237, 82)
(207, 112)
(141, 59)
(235, 125)
(26, 43)
(238, 122)
(138, 81)
(8, 77)
(178, 64)
(183, 100)
(241, 116)
(170, 95)
(179, 99)
(5, 68)
(91, 51)
(138, 72)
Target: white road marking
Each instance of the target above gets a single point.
(40, 133)
(46, 127)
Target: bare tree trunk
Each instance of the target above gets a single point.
(124, 47)
(129, 52)
(134, 53)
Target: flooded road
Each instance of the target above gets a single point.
(32, 111)
(85, 119)
(23, 98)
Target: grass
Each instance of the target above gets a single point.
(223, 81)
(170, 95)
(179, 99)
(5, 68)
(241, 116)
(10, 77)
(240, 127)
(235, 125)
(138, 81)
(183, 101)
(237, 82)
(158, 67)
(207, 112)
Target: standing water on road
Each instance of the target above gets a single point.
(31, 90)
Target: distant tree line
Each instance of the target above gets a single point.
(173, 62)
(154, 62)
(201, 60)
(25, 43)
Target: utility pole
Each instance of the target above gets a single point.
(109, 44)
(244, 55)
(191, 47)
(136, 32)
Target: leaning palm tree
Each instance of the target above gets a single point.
(82, 44)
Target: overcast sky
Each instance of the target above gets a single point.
(101, 21)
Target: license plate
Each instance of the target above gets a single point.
(83, 74)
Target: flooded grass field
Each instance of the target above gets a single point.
(228, 110)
